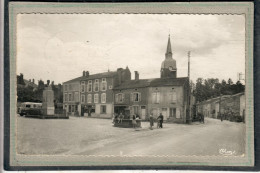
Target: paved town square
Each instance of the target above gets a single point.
(91, 136)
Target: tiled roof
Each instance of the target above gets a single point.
(141, 83)
(169, 81)
(94, 76)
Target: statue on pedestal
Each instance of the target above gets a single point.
(48, 101)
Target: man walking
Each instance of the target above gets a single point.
(151, 121)
(160, 119)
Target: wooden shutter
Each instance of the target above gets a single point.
(154, 98)
(132, 97)
(139, 97)
(116, 98)
(158, 97)
(123, 97)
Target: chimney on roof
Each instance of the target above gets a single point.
(136, 75)
(33, 80)
(21, 75)
(84, 73)
(29, 80)
(119, 74)
(87, 74)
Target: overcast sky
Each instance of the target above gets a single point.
(60, 46)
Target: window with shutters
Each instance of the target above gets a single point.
(136, 97)
(96, 85)
(95, 98)
(173, 97)
(65, 97)
(82, 98)
(120, 97)
(90, 86)
(82, 86)
(156, 97)
(104, 84)
(103, 98)
(76, 97)
(70, 98)
(89, 98)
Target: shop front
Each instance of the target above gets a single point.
(88, 110)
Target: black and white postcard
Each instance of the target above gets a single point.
(168, 84)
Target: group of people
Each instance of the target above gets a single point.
(119, 119)
(159, 121)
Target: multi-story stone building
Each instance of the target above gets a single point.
(101, 95)
(167, 95)
(225, 104)
(92, 95)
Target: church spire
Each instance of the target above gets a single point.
(168, 53)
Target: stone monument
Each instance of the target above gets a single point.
(48, 101)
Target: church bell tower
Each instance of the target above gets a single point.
(168, 67)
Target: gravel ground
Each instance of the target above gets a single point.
(90, 136)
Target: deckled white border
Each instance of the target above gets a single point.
(140, 8)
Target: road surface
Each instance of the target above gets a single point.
(90, 136)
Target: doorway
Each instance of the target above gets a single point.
(143, 112)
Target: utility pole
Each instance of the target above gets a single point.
(189, 64)
(189, 89)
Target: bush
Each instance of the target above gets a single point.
(235, 118)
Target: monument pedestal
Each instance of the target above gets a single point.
(48, 101)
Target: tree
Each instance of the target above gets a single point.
(230, 82)
(211, 87)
